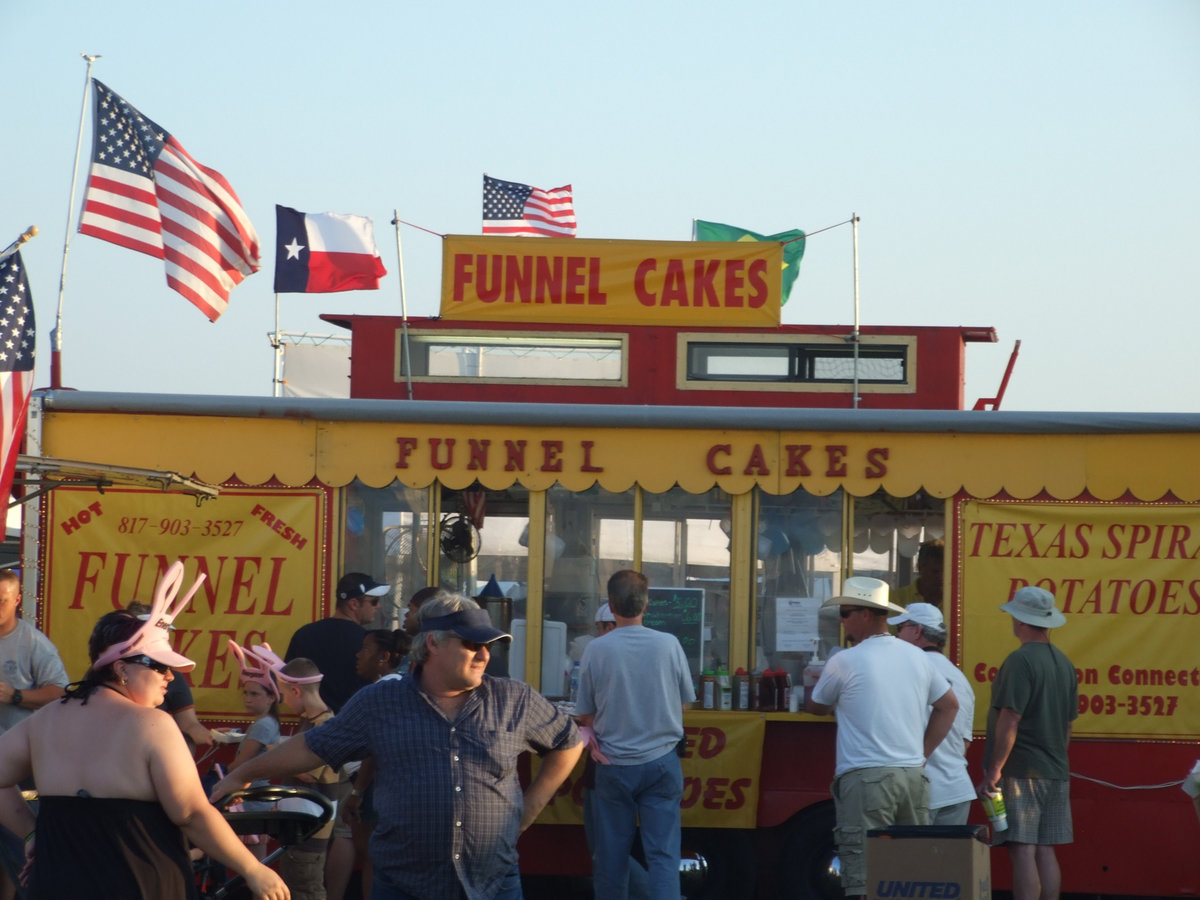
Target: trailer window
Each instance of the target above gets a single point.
(513, 357)
(795, 362)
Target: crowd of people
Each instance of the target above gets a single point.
(407, 733)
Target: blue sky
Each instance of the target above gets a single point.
(1028, 166)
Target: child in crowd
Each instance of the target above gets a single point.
(261, 699)
(302, 866)
(382, 655)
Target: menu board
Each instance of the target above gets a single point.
(679, 611)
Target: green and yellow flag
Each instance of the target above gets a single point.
(793, 245)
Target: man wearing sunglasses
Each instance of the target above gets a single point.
(334, 642)
(446, 740)
(882, 689)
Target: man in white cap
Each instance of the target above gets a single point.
(882, 689)
(1033, 703)
(604, 622)
(950, 787)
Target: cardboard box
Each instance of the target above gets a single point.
(934, 862)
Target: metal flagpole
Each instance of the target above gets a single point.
(855, 336)
(56, 350)
(277, 377)
(403, 307)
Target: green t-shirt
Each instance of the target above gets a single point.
(1038, 682)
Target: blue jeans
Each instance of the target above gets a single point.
(639, 880)
(623, 796)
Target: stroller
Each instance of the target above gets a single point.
(287, 826)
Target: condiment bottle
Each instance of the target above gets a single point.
(741, 689)
(724, 689)
(708, 686)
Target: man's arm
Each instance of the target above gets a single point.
(289, 758)
(1004, 739)
(31, 698)
(190, 725)
(941, 720)
(553, 771)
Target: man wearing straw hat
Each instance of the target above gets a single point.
(1033, 703)
(893, 710)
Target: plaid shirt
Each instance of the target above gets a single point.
(447, 793)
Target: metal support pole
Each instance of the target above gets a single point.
(56, 350)
(403, 307)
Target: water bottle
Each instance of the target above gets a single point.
(574, 691)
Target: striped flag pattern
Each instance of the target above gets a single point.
(17, 334)
(145, 192)
(520, 210)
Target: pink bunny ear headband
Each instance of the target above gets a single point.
(152, 638)
(275, 664)
(253, 671)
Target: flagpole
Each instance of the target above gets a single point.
(56, 348)
(855, 337)
(277, 374)
(403, 307)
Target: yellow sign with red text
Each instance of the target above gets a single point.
(578, 281)
(722, 757)
(260, 550)
(1126, 578)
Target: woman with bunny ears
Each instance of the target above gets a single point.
(119, 792)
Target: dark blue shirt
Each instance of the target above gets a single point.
(447, 793)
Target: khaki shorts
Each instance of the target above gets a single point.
(874, 798)
(303, 871)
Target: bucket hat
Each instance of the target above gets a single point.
(1034, 606)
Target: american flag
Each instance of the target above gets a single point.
(145, 192)
(17, 333)
(520, 210)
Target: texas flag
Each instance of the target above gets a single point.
(319, 253)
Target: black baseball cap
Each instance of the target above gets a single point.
(473, 625)
(356, 584)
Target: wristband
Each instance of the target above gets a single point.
(17, 697)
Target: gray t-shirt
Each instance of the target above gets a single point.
(27, 660)
(635, 680)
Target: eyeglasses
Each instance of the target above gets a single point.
(845, 611)
(160, 668)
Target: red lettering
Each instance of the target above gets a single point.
(877, 462)
(434, 461)
(704, 278)
(548, 279)
(518, 279)
(645, 296)
(836, 454)
(757, 275)
(795, 460)
(575, 279)
(462, 274)
(757, 464)
(595, 296)
(712, 742)
(487, 288)
(551, 456)
(711, 459)
(477, 453)
(733, 282)
(714, 791)
(405, 445)
(87, 575)
(587, 458)
(674, 285)
(514, 456)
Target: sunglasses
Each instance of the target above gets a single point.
(374, 601)
(149, 663)
(471, 645)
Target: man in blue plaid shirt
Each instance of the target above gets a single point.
(446, 740)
